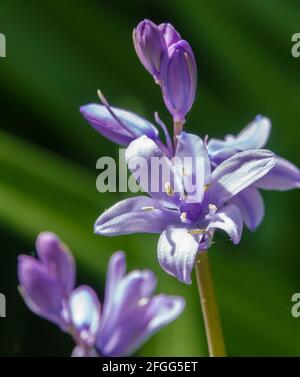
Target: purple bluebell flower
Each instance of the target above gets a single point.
(130, 313)
(284, 175)
(186, 220)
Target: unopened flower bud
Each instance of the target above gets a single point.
(170, 34)
(179, 79)
(150, 46)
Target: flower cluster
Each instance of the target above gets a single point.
(229, 176)
(129, 315)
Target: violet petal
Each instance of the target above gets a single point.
(251, 205)
(41, 292)
(57, 258)
(100, 119)
(284, 176)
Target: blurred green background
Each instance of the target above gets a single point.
(58, 54)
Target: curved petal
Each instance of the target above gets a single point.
(239, 172)
(124, 315)
(85, 313)
(284, 176)
(254, 136)
(251, 205)
(158, 312)
(229, 219)
(115, 273)
(135, 215)
(57, 258)
(41, 292)
(193, 163)
(102, 121)
(176, 250)
(153, 170)
(170, 34)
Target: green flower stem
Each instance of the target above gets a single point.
(213, 329)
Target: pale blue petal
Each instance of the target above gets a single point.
(193, 164)
(229, 219)
(284, 176)
(140, 214)
(144, 155)
(85, 313)
(176, 250)
(251, 205)
(239, 172)
(254, 136)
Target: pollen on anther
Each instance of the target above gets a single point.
(148, 208)
(183, 216)
(169, 189)
(196, 231)
(212, 207)
(143, 301)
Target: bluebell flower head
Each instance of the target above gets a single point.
(186, 219)
(130, 314)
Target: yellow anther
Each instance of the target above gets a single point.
(148, 208)
(196, 231)
(212, 207)
(206, 187)
(143, 301)
(183, 215)
(199, 231)
(169, 189)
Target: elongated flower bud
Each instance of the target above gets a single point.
(170, 34)
(179, 78)
(150, 46)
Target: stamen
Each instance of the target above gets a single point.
(196, 231)
(169, 189)
(148, 208)
(206, 187)
(212, 208)
(143, 301)
(199, 231)
(183, 216)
